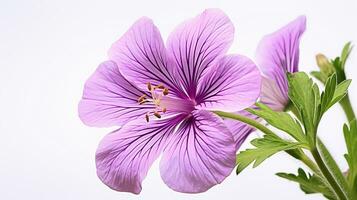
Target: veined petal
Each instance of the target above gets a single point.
(231, 85)
(240, 130)
(109, 99)
(196, 44)
(200, 154)
(124, 157)
(142, 58)
(277, 54)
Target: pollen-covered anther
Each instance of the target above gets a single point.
(165, 91)
(149, 86)
(147, 117)
(160, 87)
(163, 110)
(142, 99)
(156, 114)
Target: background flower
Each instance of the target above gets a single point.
(278, 54)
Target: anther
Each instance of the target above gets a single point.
(164, 110)
(147, 117)
(142, 98)
(165, 91)
(149, 86)
(157, 114)
(160, 87)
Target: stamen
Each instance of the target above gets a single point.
(160, 86)
(157, 114)
(157, 93)
(142, 99)
(165, 91)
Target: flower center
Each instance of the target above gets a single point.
(164, 103)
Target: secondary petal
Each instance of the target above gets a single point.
(109, 99)
(124, 156)
(272, 95)
(277, 54)
(142, 58)
(231, 85)
(200, 154)
(196, 44)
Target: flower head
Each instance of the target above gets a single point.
(277, 54)
(161, 96)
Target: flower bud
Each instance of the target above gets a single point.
(324, 64)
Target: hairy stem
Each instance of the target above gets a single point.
(246, 120)
(325, 171)
(347, 108)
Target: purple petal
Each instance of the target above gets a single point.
(196, 44)
(141, 57)
(277, 54)
(239, 129)
(200, 154)
(109, 100)
(273, 95)
(231, 85)
(124, 156)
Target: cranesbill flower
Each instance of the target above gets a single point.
(277, 54)
(162, 98)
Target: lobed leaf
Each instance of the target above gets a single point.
(265, 147)
(305, 95)
(280, 120)
(310, 184)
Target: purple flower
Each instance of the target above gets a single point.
(277, 54)
(161, 96)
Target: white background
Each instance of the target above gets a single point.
(49, 48)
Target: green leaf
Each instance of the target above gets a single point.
(345, 53)
(305, 96)
(351, 156)
(310, 184)
(319, 76)
(328, 94)
(333, 93)
(280, 120)
(340, 92)
(332, 166)
(265, 147)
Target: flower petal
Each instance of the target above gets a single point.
(141, 56)
(200, 154)
(124, 157)
(109, 99)
(231, 85)
(272, 95)
(196, 43)
(277, 54)
(240, 130)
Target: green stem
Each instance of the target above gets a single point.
(311, 164)
(298, 154)
(334, 185)
(246, 120)
(347, 108)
